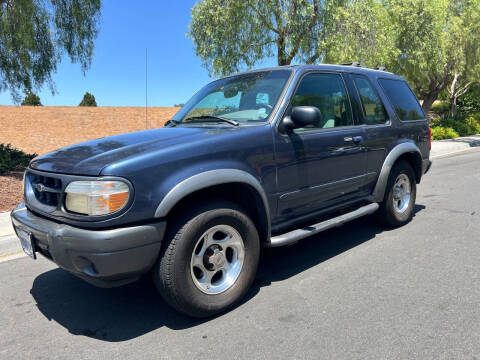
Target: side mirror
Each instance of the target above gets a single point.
(301, 116)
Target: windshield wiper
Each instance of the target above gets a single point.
(218, 118)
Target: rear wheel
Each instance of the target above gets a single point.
(209, 260)
(399, 202)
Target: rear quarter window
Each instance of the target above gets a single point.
(402, 99)
(373, 110)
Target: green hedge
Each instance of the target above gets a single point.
(446, 127)
(470, 102)
(440, 107)
(440, 133)
(13, 159)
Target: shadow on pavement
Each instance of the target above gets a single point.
(133, 310)
(281, 263)
(471, 141)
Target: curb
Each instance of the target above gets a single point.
(12, 256)
(451, 146)
(454, 152)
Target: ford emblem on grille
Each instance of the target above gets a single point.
(40, 187)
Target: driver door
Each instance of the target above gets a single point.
(321, 166)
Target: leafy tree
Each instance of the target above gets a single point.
(231, 34)
(465, 44)
(179, 105)
(34, 34)
(31, 100)
(421, 30)
(439, 43)
(88, 100)
(435, 44)
(362, 32)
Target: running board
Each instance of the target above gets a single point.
(298, 234)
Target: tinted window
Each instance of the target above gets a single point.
(405, 104)
(327, 93)
(372, 107)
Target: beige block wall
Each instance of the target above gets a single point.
(40, 129)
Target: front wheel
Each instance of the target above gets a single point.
(399, 202)
(209, 260)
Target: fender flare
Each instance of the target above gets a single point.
(393, 155)
(210, 178)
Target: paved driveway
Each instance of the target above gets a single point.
(356, 292)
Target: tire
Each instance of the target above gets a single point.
(190, 275)
(396, 210)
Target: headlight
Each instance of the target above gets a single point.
(96, 197)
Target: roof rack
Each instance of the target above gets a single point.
(357, 64)
(354, 63)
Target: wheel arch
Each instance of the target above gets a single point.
(230, 184)
(407, 151)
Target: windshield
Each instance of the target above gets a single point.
(243, 98)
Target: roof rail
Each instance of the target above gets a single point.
(357, 64)
(354, 63)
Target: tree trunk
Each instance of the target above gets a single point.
(453, 108)
(281, 54)
(453, 95)
(428, 101)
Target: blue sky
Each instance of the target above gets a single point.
(117, 74)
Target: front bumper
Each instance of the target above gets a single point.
(102, 257)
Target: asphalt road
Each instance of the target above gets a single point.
(356, 292)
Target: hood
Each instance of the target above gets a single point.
(89, 158)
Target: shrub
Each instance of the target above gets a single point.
(473, 122)
(13, 159)
(470, 102)
(440, 133)
(31, 100)
(462, 125)
(88, 100)
(440, 107)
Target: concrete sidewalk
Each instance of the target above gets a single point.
(10, 246)
(445, 147)
(5, 224)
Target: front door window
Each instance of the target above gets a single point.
(327, 93)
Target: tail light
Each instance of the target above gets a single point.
(430, 138)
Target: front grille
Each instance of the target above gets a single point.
(43, 190)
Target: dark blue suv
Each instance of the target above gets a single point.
(261, 158)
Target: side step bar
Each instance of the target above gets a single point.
(298, 234)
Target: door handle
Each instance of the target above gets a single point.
(354, 139)
(358, 139)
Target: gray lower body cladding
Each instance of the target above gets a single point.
(102, 257)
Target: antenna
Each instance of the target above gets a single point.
(146, 89)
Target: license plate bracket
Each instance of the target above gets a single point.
(27, 242)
